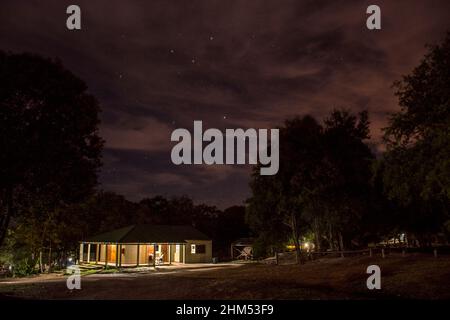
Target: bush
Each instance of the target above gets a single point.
(24, 267)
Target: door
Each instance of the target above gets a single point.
(177, 253)
(165, 252)
(112, 253)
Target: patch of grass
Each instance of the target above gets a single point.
(109, 270)
(88, 272)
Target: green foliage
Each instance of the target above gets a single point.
(51, 147)
(322, 184)
(16, 253)
(329, 182)
(24, 267)
(261, 248)
(6, 250)
(416, 167)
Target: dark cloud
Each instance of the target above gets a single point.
(156, 66)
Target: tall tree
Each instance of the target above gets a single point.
(323, 184)
(262, 213)
(345, 173)
(283, 199)
(49, 128)
(416, 170)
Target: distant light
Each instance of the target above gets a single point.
(70, 259)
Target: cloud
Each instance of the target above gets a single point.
(156, 66)
(146, 134)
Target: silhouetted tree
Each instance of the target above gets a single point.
(282, 199)
(344, 175)
(416, 168)
(323, 184)
(50, 147)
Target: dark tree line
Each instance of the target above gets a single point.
(322, 189)
(49, 161)
(50, 147)
(45, 237)
(415, 170)
(332, 190)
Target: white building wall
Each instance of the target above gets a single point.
(198, 257)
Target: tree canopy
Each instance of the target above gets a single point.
(49, 128)
(322, 183)
(416, 167)
(331, 185)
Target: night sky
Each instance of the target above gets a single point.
(159, 65)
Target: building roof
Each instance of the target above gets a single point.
(148, 233)
(244, 242)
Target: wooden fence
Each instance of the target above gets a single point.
(289, 256)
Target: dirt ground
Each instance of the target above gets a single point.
(410, 277)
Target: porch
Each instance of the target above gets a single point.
(132, 254)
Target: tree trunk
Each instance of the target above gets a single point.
(298, 252)
(316, 234)
(40, 261)
(62, 259)
(341, 242)
(296, 237)
(5, 216)
(50, 258)
(331, 238)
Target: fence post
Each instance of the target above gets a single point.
(435, 252)
(382, 253)
(370, 252)
(342, 254)
(276, 257)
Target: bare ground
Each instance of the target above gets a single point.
(410, 277)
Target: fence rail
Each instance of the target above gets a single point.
(282, 257)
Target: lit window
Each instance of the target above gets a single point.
(198, 248)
